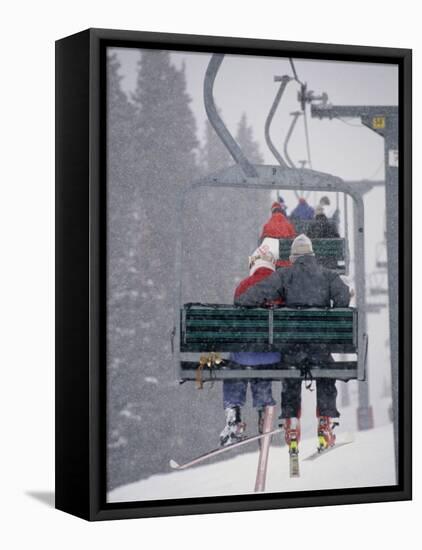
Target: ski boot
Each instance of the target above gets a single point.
(292, 433)
(326, 436)
(292, 437)
(234, 428)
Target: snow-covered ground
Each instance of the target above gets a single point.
(367, 462)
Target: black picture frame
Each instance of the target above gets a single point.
(81, 274)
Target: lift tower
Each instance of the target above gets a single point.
(382, 119)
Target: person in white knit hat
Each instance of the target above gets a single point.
(304, 284)
(261, 265)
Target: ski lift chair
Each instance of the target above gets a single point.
(204, 331)
(298, 333)
(381, 256)
(378, 283)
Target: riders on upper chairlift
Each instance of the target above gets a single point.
(303, 211)
(314, 222)
(321, 227)
(283, 205)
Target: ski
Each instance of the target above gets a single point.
(294, 459)
(318, 453)
(292, 436)
(176, 466)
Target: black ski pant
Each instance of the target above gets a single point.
(291, 397)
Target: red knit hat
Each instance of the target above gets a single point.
(275, 207)
(278, 227)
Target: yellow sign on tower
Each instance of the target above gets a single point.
(378, 122)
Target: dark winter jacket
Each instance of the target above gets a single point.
(305, 283)
(322, 228)
(253, 357)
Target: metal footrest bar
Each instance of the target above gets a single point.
(341, 371)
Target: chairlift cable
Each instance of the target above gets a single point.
(349, 123)
(305, 119)
(381, 164)
(294, 71)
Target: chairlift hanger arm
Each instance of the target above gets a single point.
(292, 65)
(284, 80)
(295, 115)
(217, 122)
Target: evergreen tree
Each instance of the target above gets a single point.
(121, 188)
(122, 236)
(165, 133)
(211, 216)
(246, 213)
(233, 216)
(152, 146)
(214, 155)
(253, 205)
(246, 141)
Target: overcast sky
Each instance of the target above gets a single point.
(246, 84)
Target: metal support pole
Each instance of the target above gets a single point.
(384, 122)
(391, 142)
(382, 119)
(364, 413)
(261, 473)
(345, 396)
(346, 234)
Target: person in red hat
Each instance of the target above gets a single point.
(278, 227)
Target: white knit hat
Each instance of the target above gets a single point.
(300, 246)
(266, 255)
